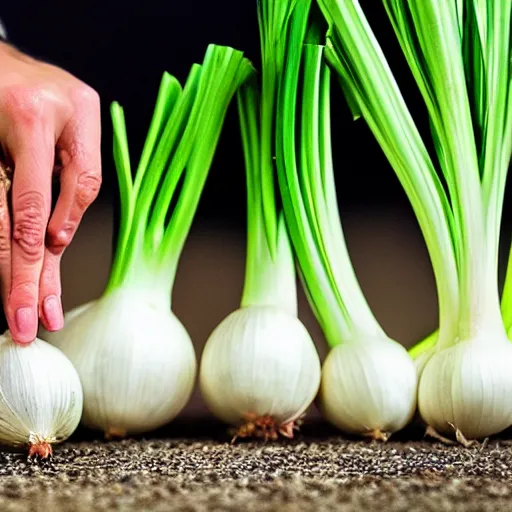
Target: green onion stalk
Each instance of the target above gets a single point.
(369, 382)
(260, 370)
(459, 54)
(135, 359)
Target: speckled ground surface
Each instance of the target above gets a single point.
(193, 467)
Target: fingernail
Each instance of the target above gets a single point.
(52, 310)
(26, 320)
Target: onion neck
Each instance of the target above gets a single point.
(481, 312)
(145, 280)
(270, 280)
(479, 221)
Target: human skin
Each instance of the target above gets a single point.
(46, 116)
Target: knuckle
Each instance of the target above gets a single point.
(26, 105)
(85, 95)
(87, 188)
(59, 237)
(29, 225)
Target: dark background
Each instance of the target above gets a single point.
(121, 50)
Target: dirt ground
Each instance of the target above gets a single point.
(193, 467)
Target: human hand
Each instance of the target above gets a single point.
(46, 116)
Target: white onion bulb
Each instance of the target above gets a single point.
(369, 388)
(40, 396)
(68, 316)
(135, 359)
(259, 361)
(468, 387)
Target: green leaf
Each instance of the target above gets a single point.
(473, 43)
(319, 196)
(248, 100)
(401, 18)
(497, 133)
(168, 159)
(269, 281)
(127, 198)
(313, 269)
(168, 95)
(181, 141)
(274, 20)
(224, 71)
(354, 53)
(436, 26)
(335, 61)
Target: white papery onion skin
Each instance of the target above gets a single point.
(40, 396)
(421, 360)
(259, 361)
(136, 362)
(49, 335)
(468, 387)
(369, 388)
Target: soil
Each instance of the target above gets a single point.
(193, 467)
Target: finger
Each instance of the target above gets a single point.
(50, 306)
(5, 237)
(80, 177)
(33, 155)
